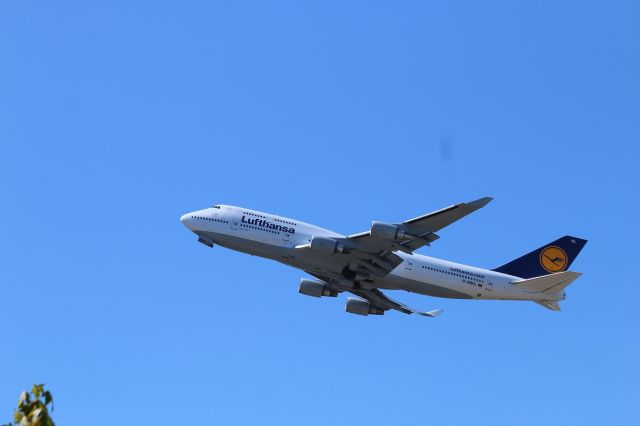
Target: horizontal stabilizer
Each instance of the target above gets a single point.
(550, 284)
(549, 304)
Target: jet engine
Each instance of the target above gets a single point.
(315, 289)
(358, 306)
(326, 245)
(385, 231)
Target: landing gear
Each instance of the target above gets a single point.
(206, 242)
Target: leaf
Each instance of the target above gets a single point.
(36, 415)
(48, 399)
(24, 399)
(33, 408)
(37, 390)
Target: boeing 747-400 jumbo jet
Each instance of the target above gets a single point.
(383, 258)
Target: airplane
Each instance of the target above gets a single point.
(384, 258)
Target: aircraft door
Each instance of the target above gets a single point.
(233, 219)
(408, 265)
(488, 286)
(208, 225)
(285, 236)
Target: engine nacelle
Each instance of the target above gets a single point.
(358, 306)
(315, 289)
(385, 231)
(326, 245)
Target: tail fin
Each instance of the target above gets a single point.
(549, 259)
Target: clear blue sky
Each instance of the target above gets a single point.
(117, 117)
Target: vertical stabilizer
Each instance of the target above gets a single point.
(548, 259)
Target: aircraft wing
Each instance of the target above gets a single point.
(423, 228)
(377, 299)
(375, 254)
(370, 255)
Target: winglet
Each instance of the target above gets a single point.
(432, 314)
(479, 203)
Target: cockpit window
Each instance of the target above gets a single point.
(215, 207)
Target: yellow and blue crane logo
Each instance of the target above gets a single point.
(553, 259)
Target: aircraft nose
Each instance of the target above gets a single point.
(187, 220)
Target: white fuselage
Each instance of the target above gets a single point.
(276, 237)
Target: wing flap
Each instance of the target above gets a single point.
(421, 240)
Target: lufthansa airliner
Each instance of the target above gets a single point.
(384, 258)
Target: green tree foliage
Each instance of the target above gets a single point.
(33, 408)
